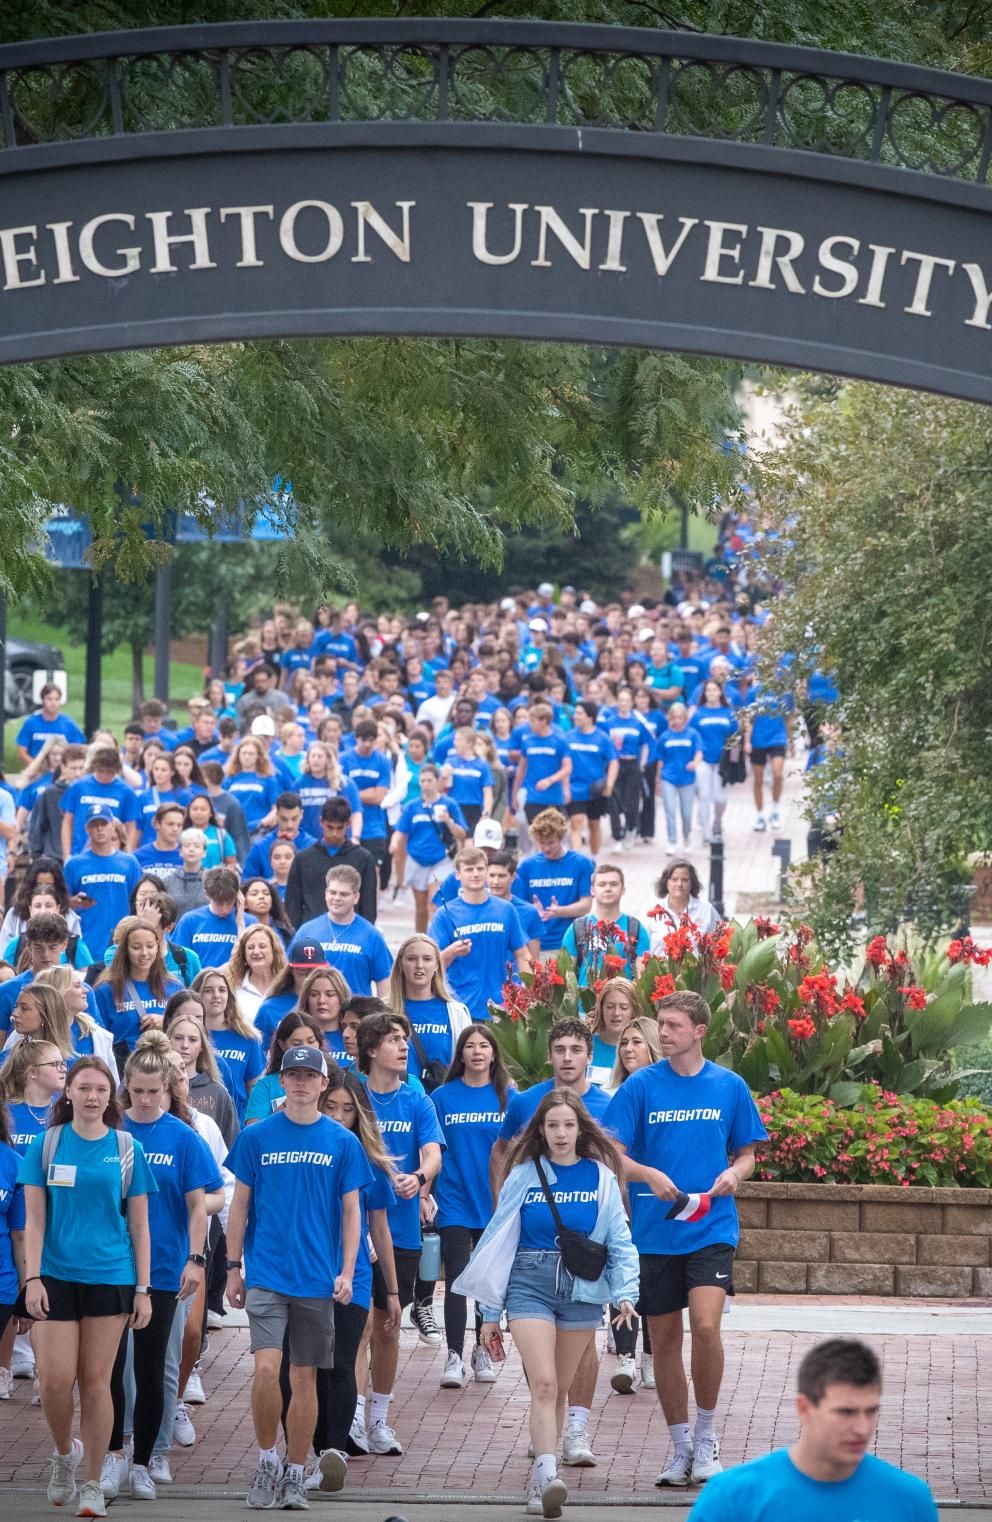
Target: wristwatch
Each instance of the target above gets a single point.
(198, 1259)
(234, 1263)
(141, 1289)
(421, 1180)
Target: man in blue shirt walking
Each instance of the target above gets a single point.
(689, 1129)
(827, 1475)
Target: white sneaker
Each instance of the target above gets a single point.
(6, 1384)
(553, 1497)
(35, 1393)
(482, 1366)
(382, 1439)
(358, 1437)
(312, 1482)
(455, 1376)
(706, 1460)
(333, 1466)
(677, 1472)
(624, 1381)
(759, 824)
(183, 1430)
(647, 1371)
(193, 1394)
(142, 1484)
(113, 1475)
(215, 1321)
(62, 1480)
(159, 1469)
(575, 1448)
(21, 1367)
(775, 820)
(92, 1502)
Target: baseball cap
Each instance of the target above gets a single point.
(546, 589)
(507, 605)
(539, 625)
(100, 811)
(305, 952)
(263, 725)
(637, 611)
(488, 833)
(588, 607)
(306, 1058)
(645, 634)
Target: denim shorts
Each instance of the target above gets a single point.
(540, 1289)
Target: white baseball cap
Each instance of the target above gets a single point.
(488, 833)
(539, 625)
(588, 607)
(263, 725)
(546, 589)
(637, 611)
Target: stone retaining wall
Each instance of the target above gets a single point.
(864, 1239)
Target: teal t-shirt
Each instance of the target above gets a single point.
(772, 1488)
(86, 1236)
(266, 1097)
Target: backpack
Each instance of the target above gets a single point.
(125, 1151)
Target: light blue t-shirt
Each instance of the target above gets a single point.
(180, 1161)
(524, 1105)
(768, 1489)
(470, 1120)
(11, 1219)
(408, 1121)
(86, 1235)
(496, 936)
(358, 950)
(576, 1194)
(687, 1128)
(297, 1174)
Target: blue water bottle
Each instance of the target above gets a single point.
(430, 1256)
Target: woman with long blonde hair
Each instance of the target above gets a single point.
(234, 1040)
(87, 1035)
(617, 1003)
(321, 778)
(256, 961)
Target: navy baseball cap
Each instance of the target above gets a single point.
(100, 811)
(303, 1058)
(304, 953)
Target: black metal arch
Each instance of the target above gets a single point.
(707, 193)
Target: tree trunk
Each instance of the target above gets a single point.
(137, 676)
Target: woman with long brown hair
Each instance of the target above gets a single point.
(133, 992)
(563, 1174)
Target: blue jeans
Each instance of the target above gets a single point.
(678, 799)
(540, 1289)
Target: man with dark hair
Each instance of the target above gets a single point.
(46, 937)
(827, 1475)
(163, 851)
(289, 818)
(103, 785)
(213, 931)
(152, 715)
(688, 1128)
(308, 874)
(372, 774)
(100, 880)
(41, 726)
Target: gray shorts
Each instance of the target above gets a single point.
(310, 1322)
(424, 878)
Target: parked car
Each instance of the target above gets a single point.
(24, 658)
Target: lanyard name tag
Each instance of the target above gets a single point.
(62, 1175)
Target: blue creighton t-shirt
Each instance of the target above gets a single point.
(297, 1174)
(408, 1121)
(565, 879)
(524, 1105)
(122, 1017)
(358, 950)
(212, 936)
(496, 936)
(770, 1488)
(180, 1161)
(575, 1191)
(687, 1128)
(470, 1119)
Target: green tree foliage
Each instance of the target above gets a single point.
(886, 497)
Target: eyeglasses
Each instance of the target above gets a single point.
(60, 1067)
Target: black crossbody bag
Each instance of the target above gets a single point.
(584, 1258)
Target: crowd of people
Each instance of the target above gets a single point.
(208, 1038)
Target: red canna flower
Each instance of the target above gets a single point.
(728, 972)
(765, 927)
(877, 952)
(803, 1029)
(613, 965)
(663, 986)
(915, 997)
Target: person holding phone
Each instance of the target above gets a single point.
(563, 1180)
(421, 838)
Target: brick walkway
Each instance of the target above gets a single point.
(474, 1442)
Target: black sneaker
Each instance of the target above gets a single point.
(422, 1317)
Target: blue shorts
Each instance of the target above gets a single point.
(540, 1289)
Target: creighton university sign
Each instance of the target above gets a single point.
(522, 180)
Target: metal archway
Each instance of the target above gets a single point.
(525, 180)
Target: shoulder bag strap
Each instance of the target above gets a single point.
(136, 999)
(49, 1147)
(418, 1047)
(548, 1195)
(125, 1151)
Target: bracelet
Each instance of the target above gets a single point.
(32, 1278)
(391, 1292)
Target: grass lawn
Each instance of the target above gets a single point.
(184, 680)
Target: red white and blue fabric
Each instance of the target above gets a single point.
(689, 1207)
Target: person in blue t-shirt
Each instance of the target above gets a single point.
(299, 1167)
(679, 751)
(372, 774)
(87, 1263)
(593, 936)
(39, 727)
(350, 943)
(162, 851)
(716, 724)
(468, 779)
(236, 1044)
(545, 765)
(250, 778)
(212, 932)
(766, 741)
(31, 1079)
(413, 1137)
(421, 838)
(103, 787)
(470, 1105)
(689, 1128)
(480, 937)
(163, 787)
(289, 827)
(557, 882)
(135, 989)
(595, 766)
(12, 1217)
(418, 988)
(100, 880)
(827, 1475)
(502, 870)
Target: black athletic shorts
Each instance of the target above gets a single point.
(667, 1278)
(71, 1302)
(593, 808)
(761, 754)
(407, 1264)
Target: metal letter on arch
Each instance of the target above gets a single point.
(524, 180)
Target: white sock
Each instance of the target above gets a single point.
(578, 1417)
(295, 1472)
(545, 1468)
(269, 1456)
(704, 1424)
(360, 1408)
(379, 1408)
(681, 1436)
